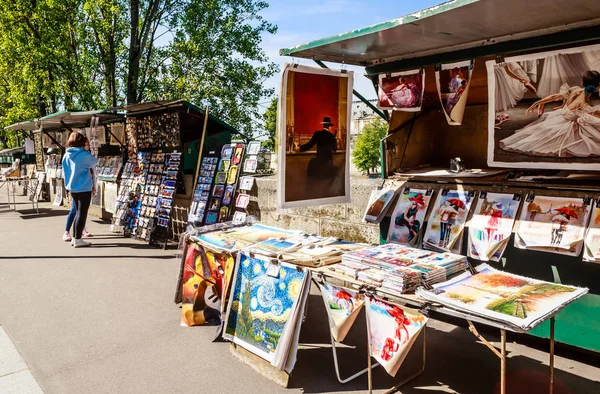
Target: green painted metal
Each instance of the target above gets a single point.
(428, 12)
(578, 36)
(360, 97)
(577, 324)
(382, 157)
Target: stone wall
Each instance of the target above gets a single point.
(336, 220)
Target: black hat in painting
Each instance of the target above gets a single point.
(326, 121)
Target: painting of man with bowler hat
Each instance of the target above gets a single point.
(322, 166)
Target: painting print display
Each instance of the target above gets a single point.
(314, 129)
(379, 203)
(453, 81)
(513, 299)
(342, 307)
(447, 221)
(491, 225)
(553, 224)
(401, 91)
(591, 252)
(392, 332)
(264, 310)
(543, 110)
(409, 216)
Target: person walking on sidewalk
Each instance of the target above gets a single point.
(77, 164)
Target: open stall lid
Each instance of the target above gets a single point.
(63, 120)
(464, 28)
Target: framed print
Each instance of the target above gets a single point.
(313, 131)
(543, 110)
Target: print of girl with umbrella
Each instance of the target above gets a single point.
(560, 222)
(408, 217)
(392, 345)
(448, 213)
(344, 301)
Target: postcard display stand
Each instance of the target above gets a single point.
(122, 221)
(166, 197)
(214, 195)
(242, 198)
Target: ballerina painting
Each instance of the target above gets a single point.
(545, 109)
(401, 91)
(452, 82)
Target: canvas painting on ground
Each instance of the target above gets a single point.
(543, 110)
(553, 224)
(342, 306)
(453, 81)
(402, 91)
(313, 136)
(447, 221)
(392, 331)
(591, 252)
(408, 218)
(491, 225)
(263, 311)
(519, 301)
(202, 288)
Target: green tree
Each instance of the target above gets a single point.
(366, 153)
(270, 124)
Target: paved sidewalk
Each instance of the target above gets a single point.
(102, 320)
(15, 377)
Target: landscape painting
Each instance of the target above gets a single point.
(342, 306)
(553, 224)
(503, 296)
(262, 307)
(392, 331)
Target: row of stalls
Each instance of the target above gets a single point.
(488, 209)
(152, 159)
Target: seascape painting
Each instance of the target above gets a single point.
(392, 331)
(544, 110)
(491, 226)
(262, 307)
(408, 218)
(553, 224)
(342, 306)
(258, 233)
(447, 221)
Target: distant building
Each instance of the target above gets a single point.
(361, 115)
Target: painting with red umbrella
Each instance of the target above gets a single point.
(447, 221)
(409, 216)
(553, 224)
(392, 332)
(343, 306)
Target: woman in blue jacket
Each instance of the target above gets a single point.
(77, 164)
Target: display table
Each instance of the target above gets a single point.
(324, 274)
(11, 183)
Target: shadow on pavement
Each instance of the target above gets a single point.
(86, 257)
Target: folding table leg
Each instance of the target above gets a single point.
(503, 362)
(337, 368)
(419, 372)
(551, 391)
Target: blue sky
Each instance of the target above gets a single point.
(307, 20)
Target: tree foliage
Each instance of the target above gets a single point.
(366, 154)
(92, 54)
(270, 122)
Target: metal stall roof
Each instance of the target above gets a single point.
(67, 119)
(460, 27)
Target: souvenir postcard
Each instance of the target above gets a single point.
(242, 201)
(453, 81)
(342, 306)
(238, 153)
(218, 191)
(214, 204)
(223, 214)
(227, 195)
(553, 224)
(224, 165)
(402, 91)
(221, 178)
(379, 202)
(253, 148)
(447, 221)
(226, 151)
(591, 251)
(491, 226)
(519, 301)
(250, 164)
(392, 332)
(212, 217)
(246, 183)
(239, 217)
(265, 307)
(232, 175)
(408, 217)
